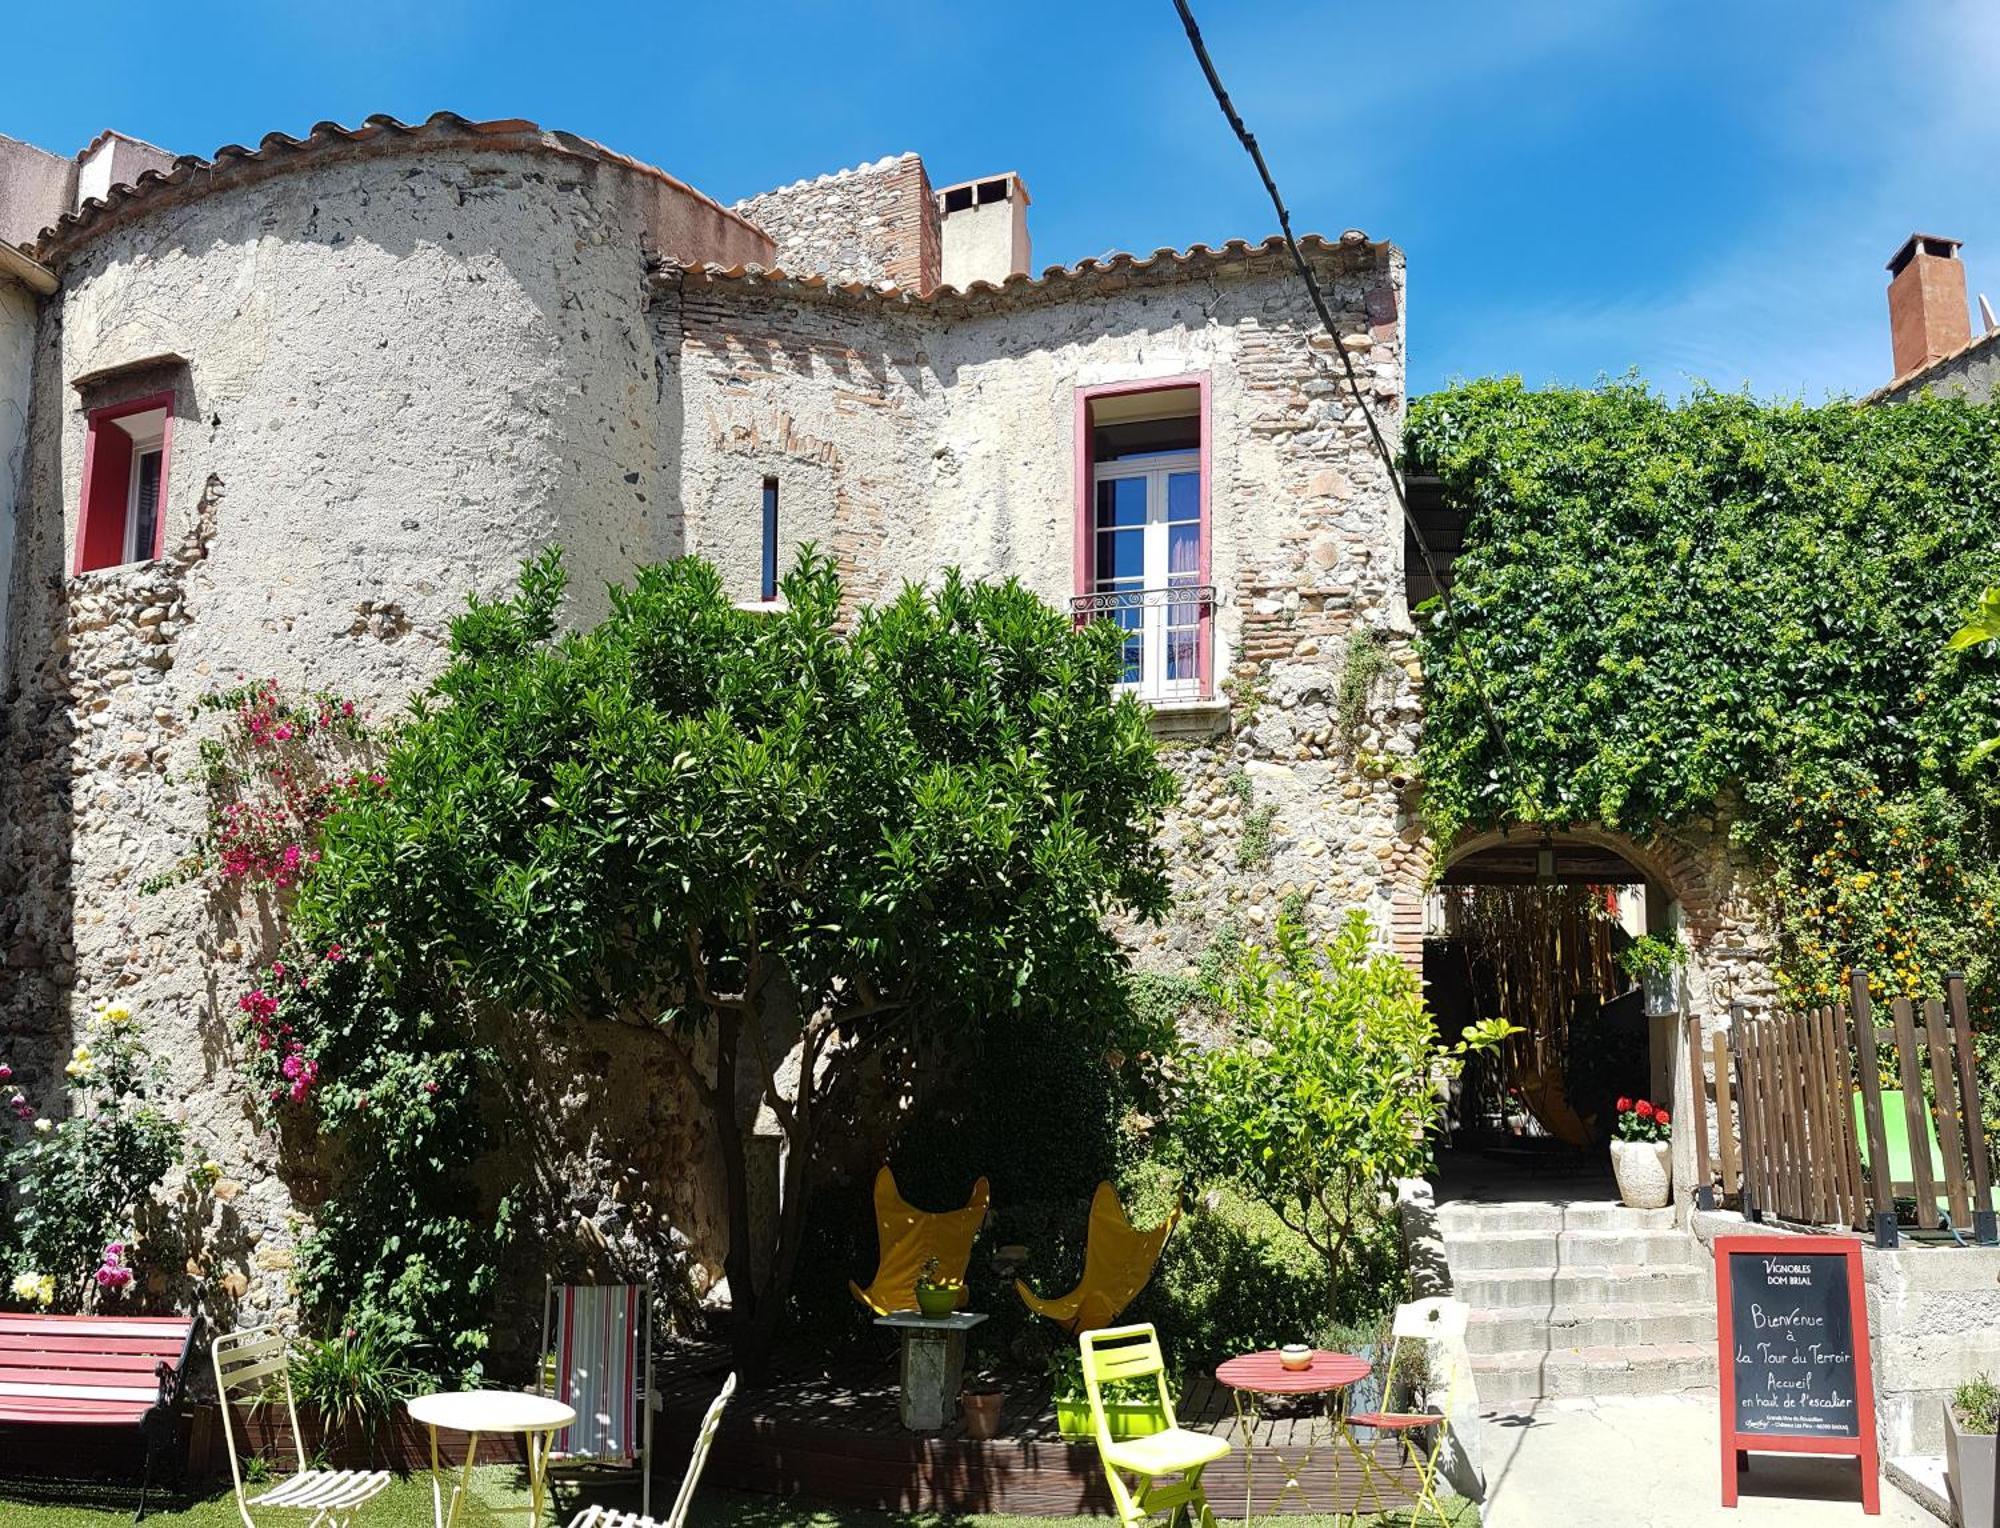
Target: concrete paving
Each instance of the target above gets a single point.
(1655, 1462)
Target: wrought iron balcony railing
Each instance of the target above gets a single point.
(1196, 599)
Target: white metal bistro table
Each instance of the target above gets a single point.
(475, 1412)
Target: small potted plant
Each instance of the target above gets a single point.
(1970, 1419)
(1655, 962)
(982, 1399)
(937, 1296)
(1642, 1154)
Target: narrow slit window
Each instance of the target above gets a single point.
(769, 586)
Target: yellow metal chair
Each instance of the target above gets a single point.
(1118, 1259)
(1422, 1321)
(1166, 1466)
(910, 1238)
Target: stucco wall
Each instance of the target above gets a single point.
(17, 354)
(397, 374)
(36, 188)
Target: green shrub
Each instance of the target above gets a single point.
(1669, 608)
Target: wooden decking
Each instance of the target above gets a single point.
(831, 1434)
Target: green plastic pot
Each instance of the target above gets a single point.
(934, 1303)
(1125, 1419)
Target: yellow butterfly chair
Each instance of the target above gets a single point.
(1166, 1466)
(911, 1237)
(1118, 1259)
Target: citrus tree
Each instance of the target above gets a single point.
(1328, 1085)
(780, 843)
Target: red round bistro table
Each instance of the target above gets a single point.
(1252, 1376)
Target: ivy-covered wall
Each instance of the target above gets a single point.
(1731, 613)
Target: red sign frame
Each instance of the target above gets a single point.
(1737, 1447)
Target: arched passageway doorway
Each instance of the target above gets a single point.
(1564, 935)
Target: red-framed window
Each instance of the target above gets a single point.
(126, 455)
(1143, 530)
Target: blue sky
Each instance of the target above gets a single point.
(1698, 190)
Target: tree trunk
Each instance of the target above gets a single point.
(750, 1342)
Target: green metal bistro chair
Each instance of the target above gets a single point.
(1165, 1466)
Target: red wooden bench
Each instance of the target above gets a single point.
(98, 1371)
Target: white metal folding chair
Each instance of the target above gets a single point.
(605, 1517)
(596, 1357)
(257, 1361)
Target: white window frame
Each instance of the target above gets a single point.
(133, 551)
(1152, 684)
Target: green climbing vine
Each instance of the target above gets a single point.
(1737, 606)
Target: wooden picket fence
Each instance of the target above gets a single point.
(1788, 1144)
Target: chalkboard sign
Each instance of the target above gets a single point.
(1792, 1340)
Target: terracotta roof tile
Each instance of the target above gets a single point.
(1095, 271)
(195, 176)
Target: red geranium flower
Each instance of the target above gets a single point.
(1624, 1105)
(1645, 1110)
(1664, 1118)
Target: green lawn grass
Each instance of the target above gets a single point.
(497, 1488)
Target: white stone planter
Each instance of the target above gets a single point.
(1645, 1172)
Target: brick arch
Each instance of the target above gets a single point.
(1689, 877)
(1699, 882)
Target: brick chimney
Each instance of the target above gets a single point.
(1928, 317)
(984, 229)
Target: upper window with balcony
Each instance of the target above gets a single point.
(1143, 552)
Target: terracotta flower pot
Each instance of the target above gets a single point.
(982, 1412)
(1644, 1170)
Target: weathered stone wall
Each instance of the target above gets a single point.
(403, 376)
(397, 375)
(874, 223)
(913, 436)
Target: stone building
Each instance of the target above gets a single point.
(276, 413)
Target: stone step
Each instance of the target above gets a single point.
(1473, 1252)
(1605, 1325)
(1653, 1369)
(1464, 1216)
(1540, 1290)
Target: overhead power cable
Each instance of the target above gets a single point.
(1389, 463)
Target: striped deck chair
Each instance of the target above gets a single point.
(597, 1358)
